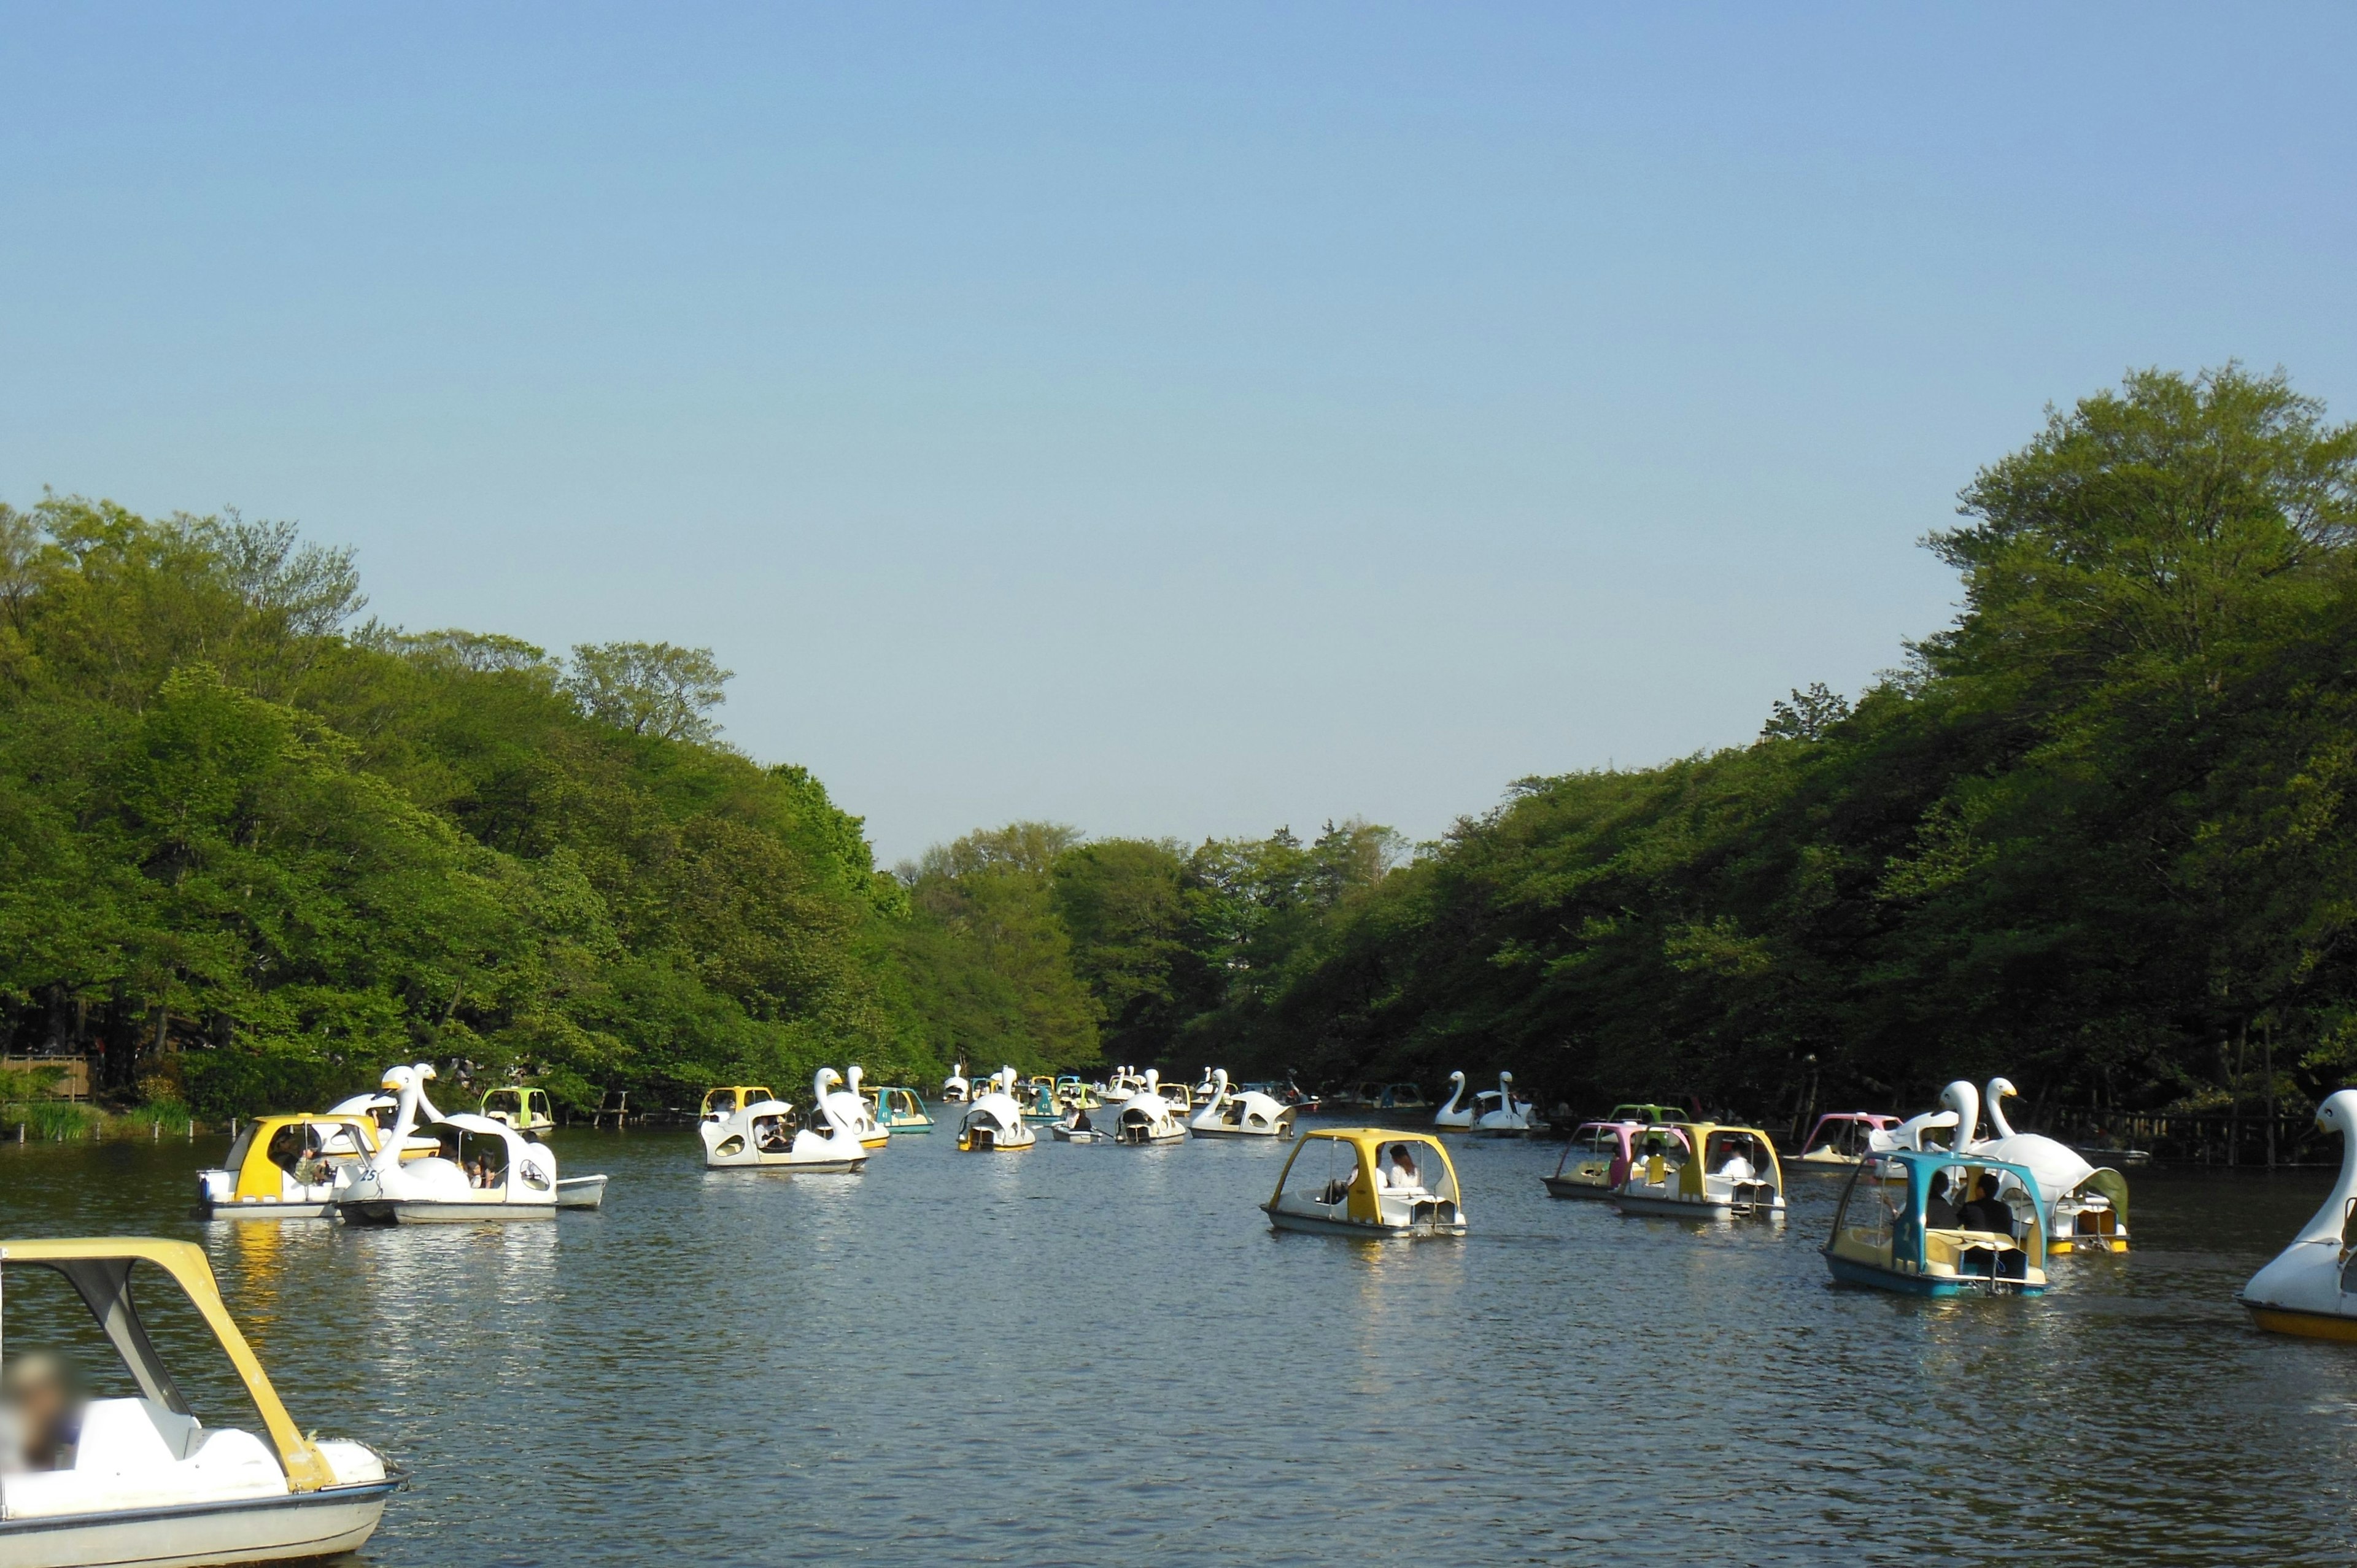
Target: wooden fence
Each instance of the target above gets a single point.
(74, 1085)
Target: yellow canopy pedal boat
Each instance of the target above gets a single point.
(287, 1167)
(144, 1481)
(1367, 1181)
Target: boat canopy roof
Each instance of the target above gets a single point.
(1369, 1138)
(99, 1269)
(1646, 1113)
(740, 1095)
(250, 1157)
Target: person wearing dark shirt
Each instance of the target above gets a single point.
(1984, 1212)
(1939, 1212)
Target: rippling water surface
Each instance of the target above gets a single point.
(1100, 1355)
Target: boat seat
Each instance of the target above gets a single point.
(134, 1453)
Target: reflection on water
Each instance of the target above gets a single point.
(1096, 1354)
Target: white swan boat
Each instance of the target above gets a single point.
(1497, 1113)
(1147, 1118)
(1733, 1171)
(994, 1123)
(745, 1125)
(1457, 1115)
(846, 1102)
(149, 1483)
(2085, 1206)
(1367, 1181)
(518, 1176)
(1250, 1115)
(2311, 1289)
(287, 1167)
(955, 1089)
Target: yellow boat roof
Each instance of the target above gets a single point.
(1367, 1138)
(103, 1263)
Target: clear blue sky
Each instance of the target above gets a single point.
(1166, 421)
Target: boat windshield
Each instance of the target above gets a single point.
(1323, 1171)
(1871, 1205)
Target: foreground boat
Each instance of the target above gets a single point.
(150, 1484)
(1730, 1170)
(287, 1167)
(994, 1123)
(1886, 1237)
(2308, 1289)
(1367, 1182)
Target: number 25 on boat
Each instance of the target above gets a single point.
(1883, 1236)
(143, 1480)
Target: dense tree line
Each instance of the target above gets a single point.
(2095, 835)
(251, 849)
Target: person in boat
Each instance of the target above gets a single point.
(1080, 1123)
(1738, 1165)
(769, 1134)
(1403, 1174)
(313, 1169)
(1986, 1211)
(1339, 1191)
(37, 1401)
(1939, 1209)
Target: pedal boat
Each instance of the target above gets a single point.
(257, 1180)
(1881, 1240)
(2311, 1288)
(2086, 1205)
(898, 1110)
(1041, 1106)
(1498, 1114)
(150, 1484)
(849, 1103)
(1147, 1118)
(1334, 1184)
(436, 1190)
(1734, 1173)
(1246, 1115)
(746, 1126)
(994, 1123)
(955, 1089)
(1841, 1139)
(524, 1108)
(1600, 1155)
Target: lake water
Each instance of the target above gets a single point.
(1101, 1355)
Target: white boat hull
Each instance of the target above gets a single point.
(293, 1527)
(268, 1208)
(830, 1165)
(1694, 1208)
(580, 1192)
(436, 1212)
(1319, 1225)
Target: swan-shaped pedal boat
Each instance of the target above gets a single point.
(2311, 1289)
(1841, 1139)
(1600, 1155)
(1886, 1236)
(146, 1481)
(1369, 1182)
(898, 1110)
(2086, 1205)
(517, 1176)
(844, 1098)
(1457, 1115)
(1146, 1117)
(994, 1123)
(1250, 1115)
(1497, 1113)
(287, 1167)
(1731, 1171)
(956, 1088)
(745, 1125)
